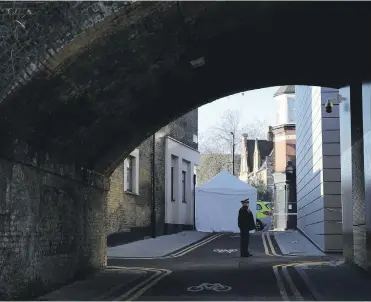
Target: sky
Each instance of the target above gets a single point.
(254, 105)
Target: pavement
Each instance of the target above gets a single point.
(211, 269)
(156, 247)
(295, 243)
(336, 281)
(102, 286)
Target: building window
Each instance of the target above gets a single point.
(172, 184)
(184, 186)
(129, 174)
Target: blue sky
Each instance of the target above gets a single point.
(254, 104)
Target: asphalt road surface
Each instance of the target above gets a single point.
(213, 270)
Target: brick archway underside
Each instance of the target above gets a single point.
(114, 86)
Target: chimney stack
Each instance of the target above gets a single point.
(270, 134)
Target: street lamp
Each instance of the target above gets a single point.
(232, 152)
(291, 201)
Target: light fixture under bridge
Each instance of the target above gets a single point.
(198, 62)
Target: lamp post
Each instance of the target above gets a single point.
(232, 152)
(291, 196)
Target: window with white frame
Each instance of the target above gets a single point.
(174, 178)
(131, 173)
(184, 174)
(172, 184)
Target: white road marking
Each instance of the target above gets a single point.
(217, 287)
(222, 251)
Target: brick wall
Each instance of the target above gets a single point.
(51, 228)
(129, 216)
(124, 210)
(284, 147)
(354, 111)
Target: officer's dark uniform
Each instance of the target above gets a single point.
(246, 223)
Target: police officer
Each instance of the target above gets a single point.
(246, 224)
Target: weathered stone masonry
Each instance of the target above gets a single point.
(51, 224)
(129, 216)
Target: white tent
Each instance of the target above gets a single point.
(218, 202)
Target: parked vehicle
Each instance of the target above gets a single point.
(263, 214)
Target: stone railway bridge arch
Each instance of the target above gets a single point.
(96, 79)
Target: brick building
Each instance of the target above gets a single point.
(283, 134)
(130, 195)
(256, 160)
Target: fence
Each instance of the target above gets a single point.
(285, 210)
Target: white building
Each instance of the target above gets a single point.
(164, 162)
(318, 167)
(180, 163)
(285, 102)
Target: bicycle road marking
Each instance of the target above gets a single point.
(217, 287)
(222, 251)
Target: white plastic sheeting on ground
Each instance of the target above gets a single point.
(219, 200)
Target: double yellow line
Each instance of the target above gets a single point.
(268, 245)
(194, 246)
(180, 253)
(286, 278)
(139, 289)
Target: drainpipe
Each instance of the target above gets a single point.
(194, 201)
(153, 204)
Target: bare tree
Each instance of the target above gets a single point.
(216, 143)
(218, 139)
